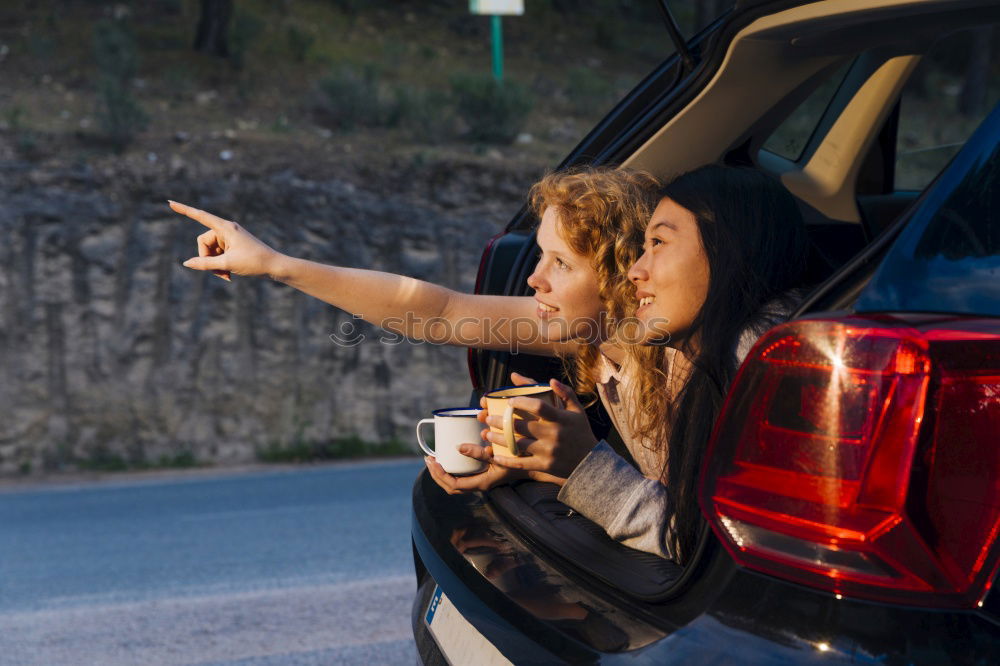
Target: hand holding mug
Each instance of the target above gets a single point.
(501, 404)
(493, 475)
(552, 440)
(454, 427)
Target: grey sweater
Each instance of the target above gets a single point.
(631, 507)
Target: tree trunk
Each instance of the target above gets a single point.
(972, 99)
(213, 27)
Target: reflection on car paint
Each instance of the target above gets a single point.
(512, 568)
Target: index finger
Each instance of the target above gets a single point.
(213, 222)
(539, 408)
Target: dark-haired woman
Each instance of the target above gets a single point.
(722, 255)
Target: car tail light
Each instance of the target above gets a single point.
(862, 456)
(471, 354)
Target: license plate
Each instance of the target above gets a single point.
(459, 641)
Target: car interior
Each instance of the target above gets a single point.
(845, 73)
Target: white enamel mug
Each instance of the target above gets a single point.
(452, 428)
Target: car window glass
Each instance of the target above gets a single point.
(944, 100)
(790, 139)
(948, 256)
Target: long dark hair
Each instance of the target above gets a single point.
(755, 241)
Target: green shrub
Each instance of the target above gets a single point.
(26, 145)
(335, 449)
(25, 140)
(120, 115)
(244, 31)
(182, 460)
(14, 117)
(300, 43)
(394, 54)
(350, 97)
(115, 51)
(424, 114)
(102, 459)
(281, 125)
(494, 113)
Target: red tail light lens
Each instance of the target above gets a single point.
(863, 456)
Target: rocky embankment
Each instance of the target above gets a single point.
(109, 347)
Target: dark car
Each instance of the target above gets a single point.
(851, 490)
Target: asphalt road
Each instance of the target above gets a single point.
(291, 566)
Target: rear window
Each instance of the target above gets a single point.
(947, 259)
(790, 138)
(945, 99)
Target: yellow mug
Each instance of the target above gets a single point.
(498, 404)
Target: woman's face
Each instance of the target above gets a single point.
(671, 276)
(565, 285)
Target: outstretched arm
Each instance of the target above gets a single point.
(411, 307)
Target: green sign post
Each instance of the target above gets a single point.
(497, 33)
(495, 9)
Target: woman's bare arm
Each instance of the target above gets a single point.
(421, 310)
(414, 308)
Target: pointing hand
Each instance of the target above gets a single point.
(226, 247)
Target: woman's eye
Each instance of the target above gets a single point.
(653, 242)
(562, 264)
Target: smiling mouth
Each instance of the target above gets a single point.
(546, 308)
(646, 300)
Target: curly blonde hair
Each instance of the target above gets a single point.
(603, 213)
